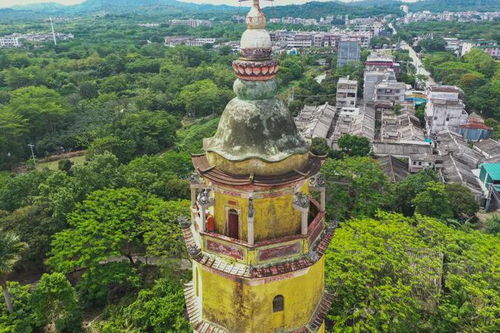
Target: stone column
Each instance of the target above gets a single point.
(301, 203)
(251, 215)
(204, 201)
(323, 198)
(303, 228)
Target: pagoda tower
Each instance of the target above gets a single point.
(257, 236)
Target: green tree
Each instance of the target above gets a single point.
(11, 248)
(123, 149)
(22, 319)
(88, 90)
(433, 201)
(411, 274)
(356, 186)
(44, 109)
(55, 303)
(34, 226)
(13, 129)
(150, 131)
(408, 188)
(155, 310)
(432, 44)
(319, 146)
(353, 145)
(492, 225)
(114, 223)
(202, 98)
(462, 202)
(61, 191)
(161, 232)
(482, 61)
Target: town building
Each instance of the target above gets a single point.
(191, 22)
(459, 161)
(315, 121)
(489, 178)
(488, 46)
(373, 76)
(444, 109)
(390, 90)
(453, 44)
(9, 41)
(381, 61)
(188, 41)
(400, 128)
(475, 129)
(257, 237)
(347, 94)
(361, 123)
(394, 168)
(420, 162)
(348, 51)
(489, 149)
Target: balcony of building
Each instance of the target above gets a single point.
(228, 245)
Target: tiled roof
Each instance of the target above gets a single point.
(216, 175)
(321, 311)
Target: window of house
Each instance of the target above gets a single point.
(278, 303)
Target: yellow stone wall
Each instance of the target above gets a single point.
(274, 215)
(246, 306)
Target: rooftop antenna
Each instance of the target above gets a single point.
(53, 32)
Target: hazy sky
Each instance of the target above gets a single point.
(9, 3)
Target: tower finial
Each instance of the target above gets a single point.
(255, 18)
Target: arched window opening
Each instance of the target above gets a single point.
(278, 303)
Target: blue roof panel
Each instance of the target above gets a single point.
(493, 169)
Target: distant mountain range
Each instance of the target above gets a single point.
(185, 9)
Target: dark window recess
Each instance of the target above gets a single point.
(278, 303)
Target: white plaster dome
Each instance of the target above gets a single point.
(256, 39)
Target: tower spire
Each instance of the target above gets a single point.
(256, 125)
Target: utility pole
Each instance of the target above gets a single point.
(32, 153)
(53, 32)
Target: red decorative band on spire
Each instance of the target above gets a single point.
(256, 71)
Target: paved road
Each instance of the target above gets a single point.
(418, 64)
(415, 59)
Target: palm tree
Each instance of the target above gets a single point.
(10, 250)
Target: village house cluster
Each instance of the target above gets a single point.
(467, 16)
(16, 39)
(452, 142)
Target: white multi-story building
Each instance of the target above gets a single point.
(347, 94)
(9, 41)
(372, 78)
(189, 41)
(453, 44)
(390, 90)
(192, 22)
(444, 109)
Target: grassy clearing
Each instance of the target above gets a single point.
(52, 165)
